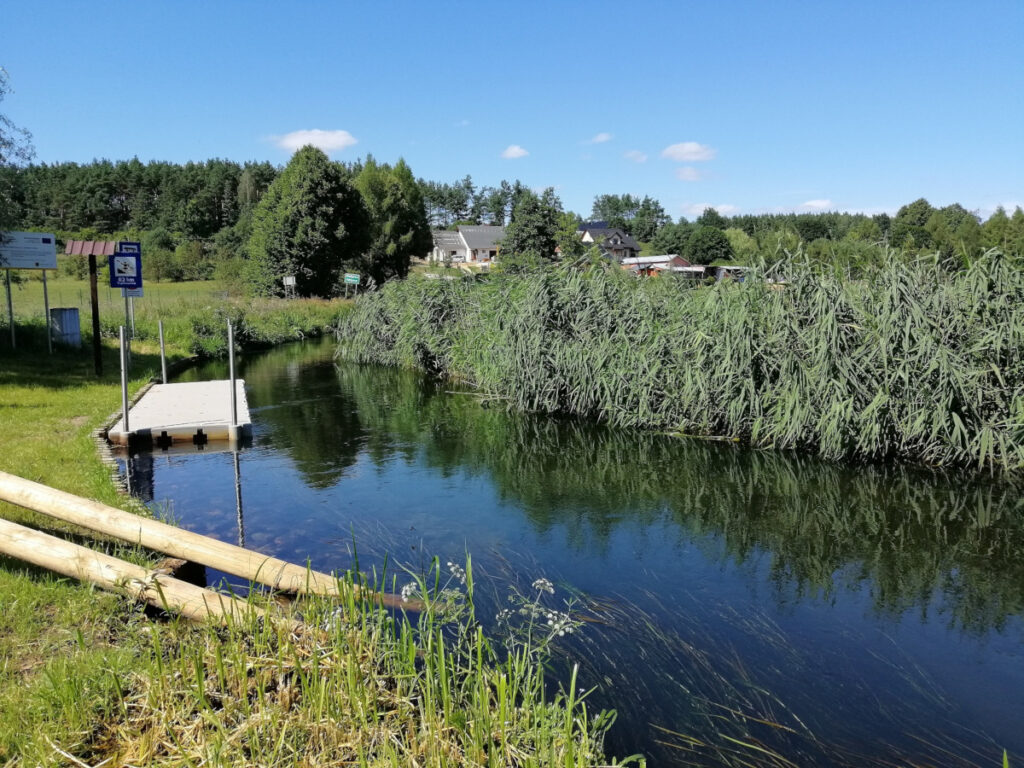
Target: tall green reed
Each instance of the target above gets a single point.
(913, 361)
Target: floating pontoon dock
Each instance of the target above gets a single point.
(190, 412)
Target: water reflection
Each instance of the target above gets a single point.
(857, 604)
(908, 535)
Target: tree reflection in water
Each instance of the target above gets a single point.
(942, 549)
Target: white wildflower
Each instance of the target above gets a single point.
(561, 623)
(457, 571)
(543, 585)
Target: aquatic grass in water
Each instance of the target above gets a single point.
(915, 361)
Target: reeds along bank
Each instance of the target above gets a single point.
(916, 360)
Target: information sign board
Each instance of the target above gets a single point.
(28, 250)
(126, 266)
(131, 293)
(351, 278)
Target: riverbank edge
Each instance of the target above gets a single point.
(99, 644)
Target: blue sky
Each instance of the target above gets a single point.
(747, 106)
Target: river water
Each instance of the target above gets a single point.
(737, 602)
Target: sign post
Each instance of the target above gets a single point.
(94, 301)
(10, 307)
(46, 309)
(351, 278)
(27, 250)
(126, 274)
(126, 266)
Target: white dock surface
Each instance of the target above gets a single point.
(182, 410)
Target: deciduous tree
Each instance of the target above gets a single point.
(310, 223)
(15, 148)
(707, 244)
(531, 237)
(398, 220)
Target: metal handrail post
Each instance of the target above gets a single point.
(124, 380)
(163, 355)
(231, 375)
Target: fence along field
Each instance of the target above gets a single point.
(916, 360)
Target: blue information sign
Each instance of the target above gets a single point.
(126, 266)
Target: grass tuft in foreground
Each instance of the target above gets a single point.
(361, 686)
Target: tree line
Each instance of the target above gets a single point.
(253, 222)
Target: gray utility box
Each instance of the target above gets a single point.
(65, 326)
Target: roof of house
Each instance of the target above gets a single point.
(663, 259)
(605, 233)
(91, 247)
(447, 240)
(482, 237)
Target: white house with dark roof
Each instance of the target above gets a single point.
(482, 242)
(614, 243)
(448, 247)
(467, 244)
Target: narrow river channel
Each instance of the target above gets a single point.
(834, 614)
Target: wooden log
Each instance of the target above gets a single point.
(178, 542)
(108, 572)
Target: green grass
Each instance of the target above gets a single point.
(918, 361)
(359, 687)
(194, 314)
(27, 295)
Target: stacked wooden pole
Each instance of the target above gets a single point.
(24, 543)
(156, 588)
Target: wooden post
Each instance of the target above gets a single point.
(10, 307)
(108, 572)
(178, 542)
(97, 354)
(46, 312)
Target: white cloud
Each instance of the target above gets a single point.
(636, 156)
(688, 173)
(816, 205)
(600, 138)
(513, 151)
(689, 152)
(328, 141)
(696, 209)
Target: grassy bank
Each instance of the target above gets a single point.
(194, 314)
(86, 676)
(916, 361)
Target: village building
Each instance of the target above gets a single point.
(669, 262)
(482, 242)
(448, 247)
(614, 243)
(468, 244)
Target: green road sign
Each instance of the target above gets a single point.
(351, 278)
